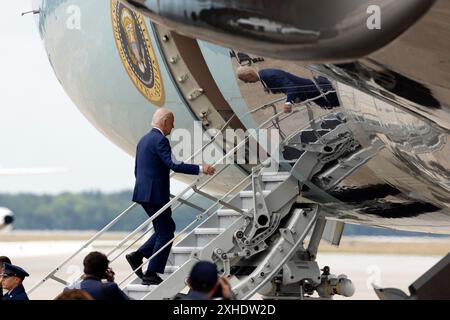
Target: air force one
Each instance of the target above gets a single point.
(380, 159)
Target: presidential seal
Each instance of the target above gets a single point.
(136, 52)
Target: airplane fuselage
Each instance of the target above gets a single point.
(118, 68)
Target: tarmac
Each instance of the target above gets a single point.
(364, 269)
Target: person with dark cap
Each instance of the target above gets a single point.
(96, 268)
(12, 278)
(3, 260)
(205, 284)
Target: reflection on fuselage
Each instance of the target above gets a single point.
(414, 143)
(414, 160)
(96, 77)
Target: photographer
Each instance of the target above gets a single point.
(96, 268)
(206, 285)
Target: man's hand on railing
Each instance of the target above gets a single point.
(207, 169)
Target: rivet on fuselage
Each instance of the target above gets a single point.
(183, 78)
(196, 93)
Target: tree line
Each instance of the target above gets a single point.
(80, 211)
(93, 210)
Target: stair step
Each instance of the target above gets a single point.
(272, 173)
(227, 217)
(176, 249)
(246, 198)
(136, 287)
(209, 231)
(170, 269)
(205, 235)
(275, 177)
(179, 255)
(273, 180)
(249, 193)
(229, 212)
(137, 290)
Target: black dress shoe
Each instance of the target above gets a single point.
(135, 261)
(151, 280)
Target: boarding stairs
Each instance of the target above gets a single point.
(271, 211)
(215, 236)
(255, 233)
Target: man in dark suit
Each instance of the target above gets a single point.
(96, 268)
(152, 191)
(12, 279)
(295, 88)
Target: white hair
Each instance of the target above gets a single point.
(160, 116)
(243, 72)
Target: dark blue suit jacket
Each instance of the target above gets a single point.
(296, 88)
(99, 290)
(195, 295)
(17, 294)
(152, 169)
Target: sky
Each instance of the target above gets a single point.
(41, 127)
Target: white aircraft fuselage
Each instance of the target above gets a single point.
(118, 68)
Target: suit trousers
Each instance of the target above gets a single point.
(164, 231)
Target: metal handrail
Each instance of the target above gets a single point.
(132, 234)
(145, 223)
(264, 106)
(51, 274)
(198, 218)
(92, 239)
(196, 189)
(148, 221)
(309, 123)
(160, 211)
(219, 201)
(173, 200)
(193, 187)
(115, 220)
(211, 178)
